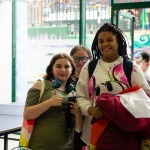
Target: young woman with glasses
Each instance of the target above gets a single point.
(80, 55)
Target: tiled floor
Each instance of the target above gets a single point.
(11, 143)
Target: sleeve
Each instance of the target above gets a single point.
(138, 78)
(117, 113)
(82, 92)
(33, 94)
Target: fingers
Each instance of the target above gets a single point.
(72, 104)
(54, 92)
(56, 100)
(75, 109)
(97, 113)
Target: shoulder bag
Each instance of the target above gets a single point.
(27, 125)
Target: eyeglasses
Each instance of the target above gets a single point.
(77, 59)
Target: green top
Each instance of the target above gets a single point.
(49, 132)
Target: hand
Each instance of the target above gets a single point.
(75, 109)
(96, 112)
(56, 100)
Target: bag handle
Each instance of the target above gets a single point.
(42, 89)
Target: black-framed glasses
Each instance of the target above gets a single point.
(83, 59)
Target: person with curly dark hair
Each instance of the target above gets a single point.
(107, 123)
(81, 55)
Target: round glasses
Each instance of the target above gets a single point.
(83, 59)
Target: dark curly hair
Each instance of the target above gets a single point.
(109, 27)
(49, 73)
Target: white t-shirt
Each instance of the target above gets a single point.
(108, 78)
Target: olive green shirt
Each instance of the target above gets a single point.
(50, 132)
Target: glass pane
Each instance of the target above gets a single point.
(49, 27)
(141, 30)
(129, 1)
(97, 13)
(142, 33)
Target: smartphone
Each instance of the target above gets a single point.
(72, 99)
